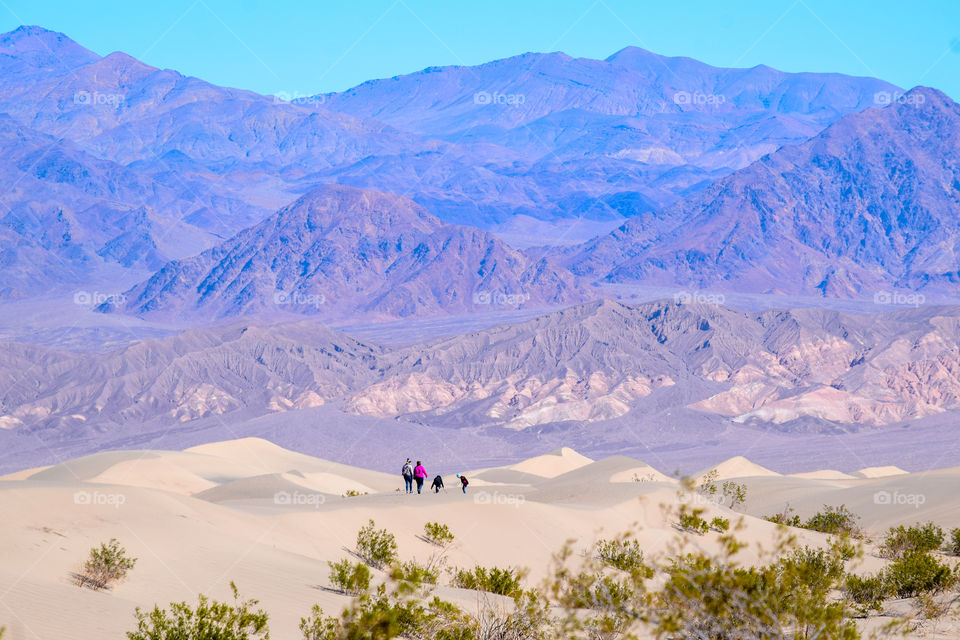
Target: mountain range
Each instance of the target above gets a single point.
(580, 371)
(128, 169)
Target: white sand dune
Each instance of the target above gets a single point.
(271, 519)
(879, 472)
(737, 467)
(823, 474)
(552, 464)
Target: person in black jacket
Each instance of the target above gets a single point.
(437, 484)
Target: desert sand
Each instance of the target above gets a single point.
(270, 519)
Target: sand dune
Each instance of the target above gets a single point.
(737, 467)
(271, 519)
(879, 472)
(552, 464)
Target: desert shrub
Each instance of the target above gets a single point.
(377, 547)
(504, 582)
(867, 592)
(731, 493)
(953, 546)
(438, 534)
(107, 564)
(721, 525)
(353, 493)
(919, 538)
(734, 493)
(414, 573)
(209, 620)
(692, 521)
(622, 554)
(786, 517)
(348, 577)
(707, 596)
(918, 573)
(835, 521)
(383, 615)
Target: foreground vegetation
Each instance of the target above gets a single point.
(613, 591)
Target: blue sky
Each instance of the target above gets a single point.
(302, 48)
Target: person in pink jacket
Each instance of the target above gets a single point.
(419, 474)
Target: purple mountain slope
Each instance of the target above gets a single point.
(340, 251)
(872, 202)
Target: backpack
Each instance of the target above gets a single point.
(407, 470)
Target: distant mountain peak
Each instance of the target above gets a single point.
(50, 46)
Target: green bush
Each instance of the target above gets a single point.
(868, 592)
(692, 522)
(350, 578)
(377, 547)
(954, 544)
(210, 620)
(353, 493)
(918, 573)
(721, 525)
(107, 564)
(622, 554)
(835, 521)
(438, 534)
(414, 574)
(786, 517)
(902, 541)
(504, 582)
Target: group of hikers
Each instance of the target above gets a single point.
(418, 474)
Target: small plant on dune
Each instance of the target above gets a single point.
(692, 521)
(835, 521)
(438, 534)
(866, 592)
(209, 620)
(377, 547)
(918, 573)
(734, 494)
(107, 564)
(953, 546)
(503, 582)
(622, 554)
(353, 493)
(720, 525)
(414, 573)
(786, 517)
(350, 578)
(920, 538)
